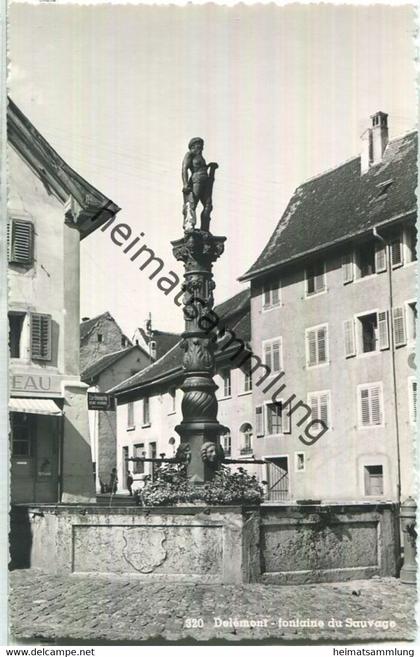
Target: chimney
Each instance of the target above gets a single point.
(379, 136)
(374, 141)
(152, 349)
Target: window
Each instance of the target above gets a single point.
(299, 462)
(317, 345)
(21, 435)
(99, 337)
(138, 452)
(16, 321)
(374, 480)
(130, 415)
(320, 406)
(271, 295)
(412, 399)
(369, 328)
(278, 420)
(247, 381)
(315, 278)
(40, 337)
(123, 341)
(246, 439)
(146, 411)
(365, 259)
(153, 455)
(400, 334)
(172, 397)
(227, 443)
(272, 354)
(411, 321)
(21, 244)
(226, 382)
(370, 405)
(259, 421)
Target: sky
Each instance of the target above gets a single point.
(279, 94)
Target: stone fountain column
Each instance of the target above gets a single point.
(199, 430)
(199, 250)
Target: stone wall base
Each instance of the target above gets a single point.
(231, 545)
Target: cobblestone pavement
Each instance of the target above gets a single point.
(99, 609)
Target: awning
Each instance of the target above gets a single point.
(38, 406)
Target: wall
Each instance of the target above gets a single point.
(328, 543)
(91, 350)
(184, 544)
(105, 422)
(334, 464)
(51, 285)
(273, 545)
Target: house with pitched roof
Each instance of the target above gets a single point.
(103, 374)
(149, 403)
(51, 208)
(99, 336)
(333, 315)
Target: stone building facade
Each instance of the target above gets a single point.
(102, 375)
(333, 314)
(51, 208)
(99, 336)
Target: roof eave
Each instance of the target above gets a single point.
(86, 207)
(256, 273)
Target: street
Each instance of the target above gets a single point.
(100, 609)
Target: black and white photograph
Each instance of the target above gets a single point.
(210, 243)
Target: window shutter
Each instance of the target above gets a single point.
(375, 405)
(380, 259)
(400, 337)
(323, 408)
(266, 295)
(276, 357)
(413, 404)
(365, 411)
(383, 330)
(349, 340)
(347, 268)
(40, 337)
(320, 282)
(311, 338)
(396, 253)
(259, 420)
(286, 419)
(322, 345)
(267, 357)
(313, 403)
(275, 292)
(21, 248)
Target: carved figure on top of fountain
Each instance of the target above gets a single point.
(197, 180)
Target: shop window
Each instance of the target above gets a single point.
(21, 435)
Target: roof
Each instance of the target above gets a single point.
(106, 361)
(234, 313)
(88, 325)
(85, 207)
(164, 340)
(343, 203)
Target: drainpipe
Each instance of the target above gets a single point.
(392, 349)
